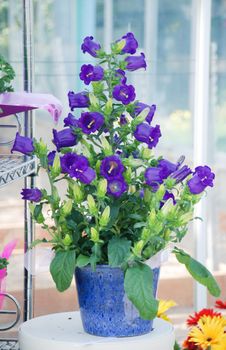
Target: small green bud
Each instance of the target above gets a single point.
(106, 146)
(67, 207)
(141, 117)
(102, 188)
(146, 153)
(132, 189)
(117, 47)
(105, 217)
(77, 193)
(167, 235)
(56, 168)
(98, 87)
(160, 192)
(108, 107)
(91, 205)
(152, 217)
(97, 167)
(186, 218)
(94, 235)
(93, 100)
(169, 183)
(128, 175)
(56, 196)
(145, 234)
(133, 162)
(147, 195)
(67, 240)
(138, 248)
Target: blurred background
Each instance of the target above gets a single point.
(165, 31)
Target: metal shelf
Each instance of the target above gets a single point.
(13, 167)
(9, 344)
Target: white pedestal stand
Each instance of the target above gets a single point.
(64, 331)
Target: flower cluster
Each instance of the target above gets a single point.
(207, 331)
(123, 204)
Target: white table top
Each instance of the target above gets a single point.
(64, 331)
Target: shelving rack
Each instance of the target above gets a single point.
(15, 167)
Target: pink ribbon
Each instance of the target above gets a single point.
(17, 102)
(7, 252)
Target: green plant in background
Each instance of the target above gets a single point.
(122, 205)
(7, 74)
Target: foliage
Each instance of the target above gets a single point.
(7, 74)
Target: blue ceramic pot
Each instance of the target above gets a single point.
(105, 309)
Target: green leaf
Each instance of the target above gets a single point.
(37, 214)
(198, 272)
(82, 260)
(138, 285)
(118, 251)
(62, 269)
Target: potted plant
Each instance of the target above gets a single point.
(122, 205)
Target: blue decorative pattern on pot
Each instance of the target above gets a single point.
(105, 309)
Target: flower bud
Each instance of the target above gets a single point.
(132, 189)
(133, 162)
(160, 192)
(108, 107)
(56, 168)
(186, 218)
(106, 146)
(102, 188)
(138, 248)
(128, 175)
(94, 235)
(67, 240)
(77, 193)
(91, 205)
(118, 46)
(145, 234)
(152, 217)
(147, 195)
(105, 216)
(146, 153)
(141, 117)
(67, 207)
(93, 100)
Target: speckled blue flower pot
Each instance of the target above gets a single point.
(105, 309)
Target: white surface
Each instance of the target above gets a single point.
(64, 331)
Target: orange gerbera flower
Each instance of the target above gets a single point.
(220, 304)
(194, 319)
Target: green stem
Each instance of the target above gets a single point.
(52, 206)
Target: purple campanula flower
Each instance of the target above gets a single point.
(167, 167)
(123, 119)
(91, 73)
(116, 186)
(91, 122)
(50, 157)
(202, 178)
(124, 93)
(64, 138)
(154, 176)
(90, 46)
(70, 120)
(131, 43)
(167, 196)
(181, 174)
(148, 134)
(23, 144)
(111, 167)
(31, 194)
(80, 100)
(122, 75)
(139, 107)
(136, 62)
(81, 170)
(67, 160)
